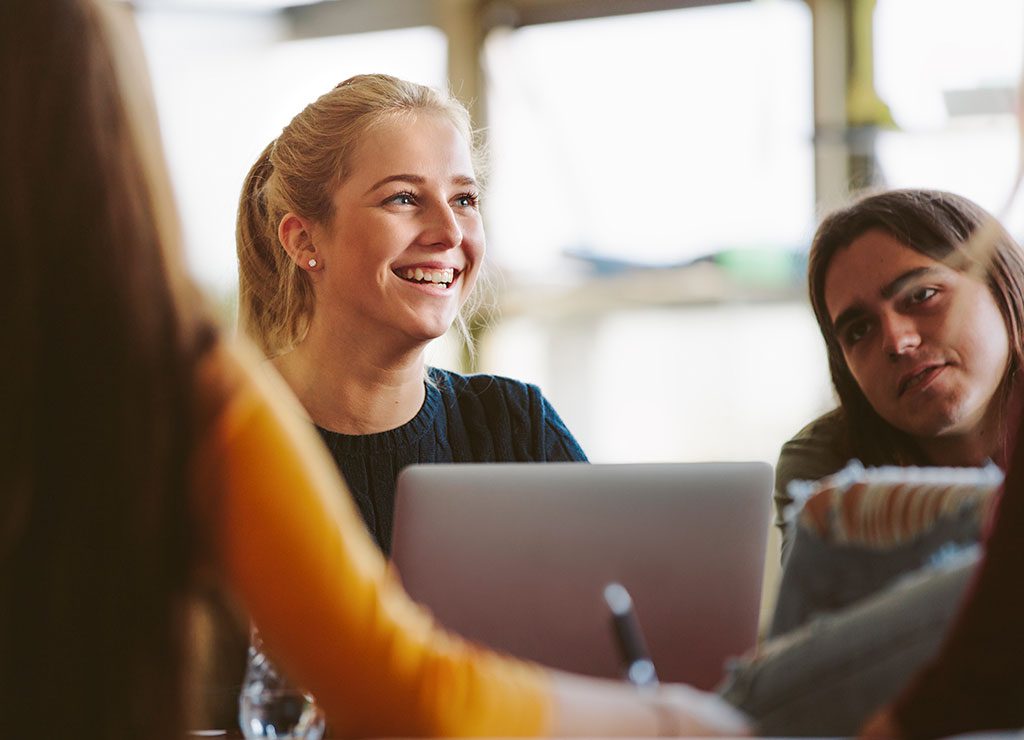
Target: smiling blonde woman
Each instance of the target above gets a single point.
(359, 241)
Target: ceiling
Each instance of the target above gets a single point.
(527, 12)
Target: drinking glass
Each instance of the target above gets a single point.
(270, 706)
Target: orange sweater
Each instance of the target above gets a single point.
(291, 548)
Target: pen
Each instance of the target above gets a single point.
(636, 659)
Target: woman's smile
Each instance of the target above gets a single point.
(442, 277)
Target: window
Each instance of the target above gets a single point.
(950, 83)
(653, 138)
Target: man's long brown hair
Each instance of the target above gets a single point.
(100, 336)
(939, 225)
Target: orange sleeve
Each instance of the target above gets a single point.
(294, 553)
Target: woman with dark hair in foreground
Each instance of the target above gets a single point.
(146, 460)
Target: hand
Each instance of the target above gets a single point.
(598, 707)
(689, 712)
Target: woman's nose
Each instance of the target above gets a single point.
(442, 229)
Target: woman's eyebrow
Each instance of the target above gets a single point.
(461, 180)
(414, 179)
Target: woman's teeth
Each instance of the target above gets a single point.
(417, 274)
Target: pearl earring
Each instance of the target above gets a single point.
(311, 263)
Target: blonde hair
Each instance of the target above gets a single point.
(298, 172)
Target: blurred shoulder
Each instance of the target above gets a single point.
(829, 429)
(818, 449)
(233, 373)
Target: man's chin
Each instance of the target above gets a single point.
(937, 423)
(936, 428)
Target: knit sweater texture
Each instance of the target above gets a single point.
(464, 418)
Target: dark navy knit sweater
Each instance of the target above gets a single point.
(464, 418)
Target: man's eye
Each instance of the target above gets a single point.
(855, 332)
(920, 295)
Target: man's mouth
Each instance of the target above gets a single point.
(919, 377)
(443, 276)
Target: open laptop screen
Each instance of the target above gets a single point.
(517, 556)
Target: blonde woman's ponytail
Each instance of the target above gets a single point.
(274, 297)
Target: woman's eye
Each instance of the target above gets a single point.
(402, 199)
(467, 200)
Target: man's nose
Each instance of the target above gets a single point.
(900, 335)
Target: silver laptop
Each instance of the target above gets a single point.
(517, 555)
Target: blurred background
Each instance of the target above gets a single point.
(656, 170)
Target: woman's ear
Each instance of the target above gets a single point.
(296, 236)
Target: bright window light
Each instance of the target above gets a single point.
(654, 138)
(951, 90)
